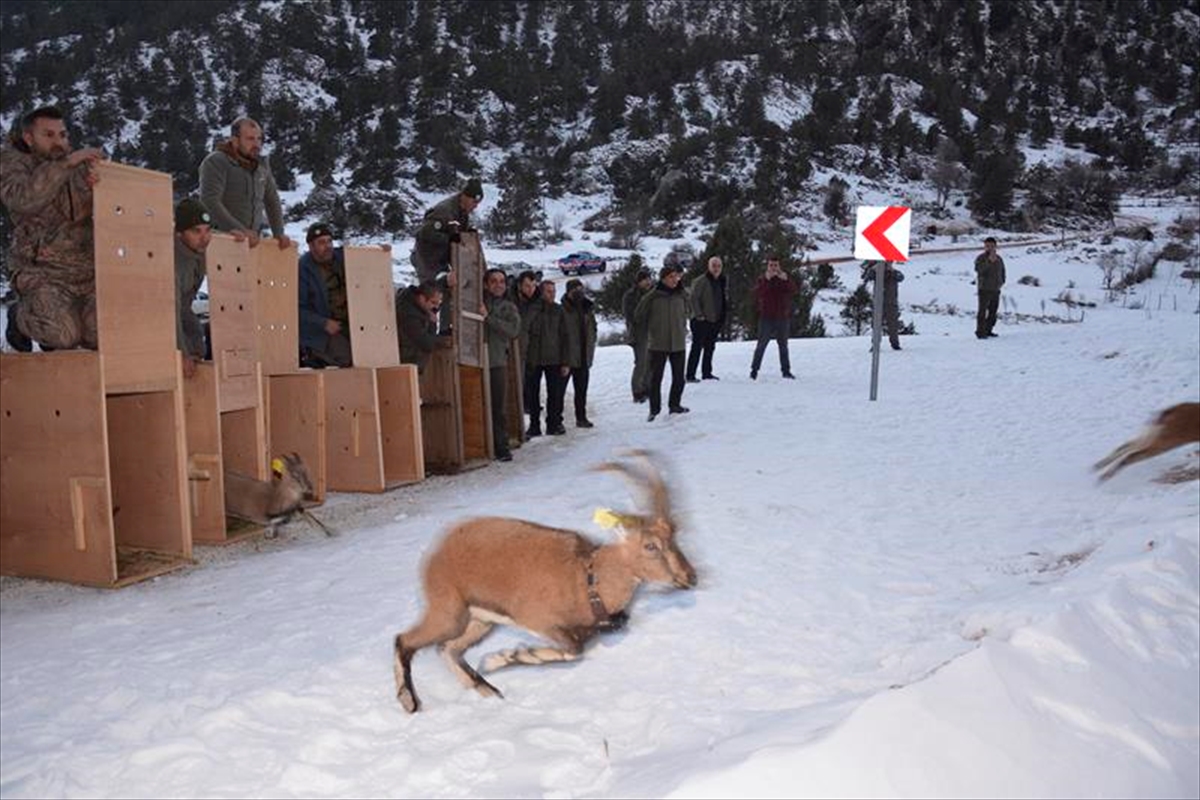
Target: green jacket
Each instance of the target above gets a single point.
(503, 324)
(189, 274)
(418, 333)
(239, 198)
(581, 332)
(665, 313)
(529, 310)
(547, 336)
(50, 205)
(635, 334)
(708, 298)
(990, 274)
(431, 252)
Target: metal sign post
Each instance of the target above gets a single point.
(877, 326)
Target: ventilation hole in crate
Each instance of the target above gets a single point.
(120, 252)
(118, 210)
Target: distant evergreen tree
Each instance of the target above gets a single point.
(836, 208)
(612, 292)
(519, 211)
(856, 311)
(992, 187)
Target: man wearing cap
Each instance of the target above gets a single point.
(193, 232)
(237, 187)
(47, 188)
(635, 333)
(665, 310)
(579, 320)
(443, 226)
(324, 313)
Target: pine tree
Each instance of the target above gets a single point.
(519, 211)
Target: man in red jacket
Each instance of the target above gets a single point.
(773, 296)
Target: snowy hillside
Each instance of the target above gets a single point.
(924, 596)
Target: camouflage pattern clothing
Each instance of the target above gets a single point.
(189, 274)
(431, 254)
(51, 261)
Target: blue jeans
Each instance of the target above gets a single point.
(776, 329)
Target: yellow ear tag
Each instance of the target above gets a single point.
(605, 518)
(277, 466)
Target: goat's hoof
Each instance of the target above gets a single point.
(408, 701)
(485, 689)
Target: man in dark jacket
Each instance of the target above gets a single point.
(665, 311)
(635, 334)
(324, 312)
(193, 233)
(989, 278)
(707, 293)
(580, 322)
(529, 304)
(442, 227)
(891, 298)
(548, 354)
(501, 324)
(773, 295)
(238, 188)
(416, 323)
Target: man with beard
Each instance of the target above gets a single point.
(324, 312)
(237, 187)
(193, 233)
(580, 325)
(443, 226)
(47, 188)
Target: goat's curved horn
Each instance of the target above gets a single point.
(636, 478)
(660, 496)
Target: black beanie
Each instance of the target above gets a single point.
(189, 213)
(473, 189)
(318, 229)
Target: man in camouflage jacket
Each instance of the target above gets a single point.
(47, 188)
(442, 227)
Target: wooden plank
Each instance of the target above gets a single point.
(476, 413)
(371, 301)
(135, 277)
(206, 482)
(148, 465)
(469, 266)
(514, 407)
(441, 420)
(296, 414)
(54, 479)
(400, 422)
(231, 290)
(244, 443)
(277, 306)
(353, 443)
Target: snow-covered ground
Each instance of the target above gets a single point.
(928, 595)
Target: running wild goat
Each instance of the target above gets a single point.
(552, 582)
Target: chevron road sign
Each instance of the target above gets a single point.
(881, 233)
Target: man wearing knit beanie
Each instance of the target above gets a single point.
(443, 226)
(193, 232)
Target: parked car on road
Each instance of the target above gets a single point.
(582, 263)
(681, 255)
